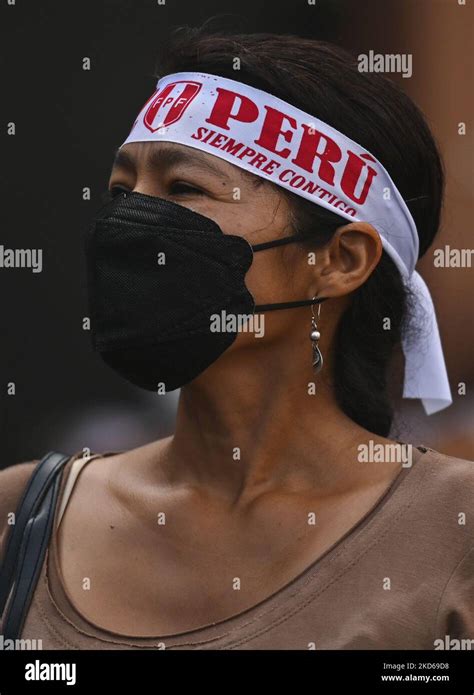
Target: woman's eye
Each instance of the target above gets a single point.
(112, 193)
(184, 188)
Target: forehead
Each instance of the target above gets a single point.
(163, 156)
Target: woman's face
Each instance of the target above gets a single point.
(240, 203)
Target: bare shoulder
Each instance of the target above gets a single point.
(128, 463)
(117, 478)
(106, 502)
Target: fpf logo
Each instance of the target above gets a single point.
(177, 96)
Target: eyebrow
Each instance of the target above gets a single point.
(168, 157)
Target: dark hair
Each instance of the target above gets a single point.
(324, 80)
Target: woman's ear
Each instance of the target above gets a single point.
(348, 259)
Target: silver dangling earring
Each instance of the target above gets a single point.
(315, 335)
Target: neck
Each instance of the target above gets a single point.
(243, 429)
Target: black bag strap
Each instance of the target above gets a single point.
(27, 542)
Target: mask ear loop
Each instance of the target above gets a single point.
(283, 305)
(315, 335)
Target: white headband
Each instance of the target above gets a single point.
(272, 139)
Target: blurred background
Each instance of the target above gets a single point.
(70, 121)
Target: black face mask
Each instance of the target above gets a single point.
(157, 271)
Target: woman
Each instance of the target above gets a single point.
(280, 514)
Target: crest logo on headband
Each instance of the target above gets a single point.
(176, 96)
